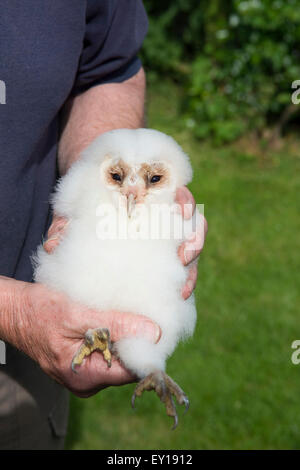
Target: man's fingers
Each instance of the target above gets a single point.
(95, 372)
(190, 283)
(124, 325)
(186, 201)
(189, 250)
(50, 244)
(57, 226)
(114, 375)
(120, 324)
(55, 233)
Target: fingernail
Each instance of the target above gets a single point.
(51, 239)
(152, 331)
(63, 225)
(189, 253)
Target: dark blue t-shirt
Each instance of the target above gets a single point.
(49, 50)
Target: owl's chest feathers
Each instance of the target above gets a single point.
(137, 258)
(126, 274)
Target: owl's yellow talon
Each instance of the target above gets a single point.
(94, 340)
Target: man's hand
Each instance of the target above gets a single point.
(188, 251)
(49, 327)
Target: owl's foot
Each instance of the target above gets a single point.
(165, 387)
(94, 340)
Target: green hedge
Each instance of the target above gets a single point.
(236, 60)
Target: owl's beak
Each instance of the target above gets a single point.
(131, 200)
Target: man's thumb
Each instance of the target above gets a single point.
(122, 325)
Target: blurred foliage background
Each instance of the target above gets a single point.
(220, 78)
(236, 61)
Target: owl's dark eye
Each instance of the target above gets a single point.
(155, 179)
(116, 176)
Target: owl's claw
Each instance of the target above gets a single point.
(165, 387)
(133, 400)
(94, 340)
(186, 403)
(175, 422)
(73, 367)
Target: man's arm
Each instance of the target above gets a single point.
(97, 110)
(49, 327)
(46, 325)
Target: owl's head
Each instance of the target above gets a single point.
(144, 165)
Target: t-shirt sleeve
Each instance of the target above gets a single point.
(115, 30)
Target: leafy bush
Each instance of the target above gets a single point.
(236, 60)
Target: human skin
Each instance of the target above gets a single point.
(47, 325)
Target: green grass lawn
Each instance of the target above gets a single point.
(237, 370)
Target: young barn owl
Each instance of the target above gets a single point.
(114, 255)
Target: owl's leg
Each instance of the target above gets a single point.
(165, 387)
(94, 340)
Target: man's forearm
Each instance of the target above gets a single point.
(97, 110)
(11, 294)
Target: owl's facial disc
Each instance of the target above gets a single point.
(135, 181)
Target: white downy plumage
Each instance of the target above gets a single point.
(124, 170)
